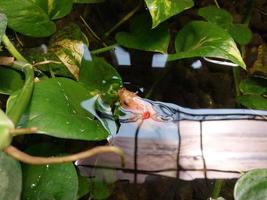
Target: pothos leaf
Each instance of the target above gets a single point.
(239, 32)
(54, 8)
(11, 178)
(66, 49)
(143, 38)
(58, 181)
(205, 39)
(162, 10)
(55, 110)
(26, 17)
(252, 185)
(100, 78)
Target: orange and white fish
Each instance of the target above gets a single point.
(132, 102)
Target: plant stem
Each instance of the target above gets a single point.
(101, 50)
(24, 95)
(217, 188)
(22, 131)
(12, 50)
(236, 75)
(36, 160)
(124, 19)
(92, 32)
(216, 3)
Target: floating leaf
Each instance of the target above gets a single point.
(55, 109)
(162, 10)
(5, 125)
(43, 182)
(25, 17)
(11, 178)
(143, 38)
(100, 78)
(54, 8)
(252, 186)
(205, 39)
(253, 86)
(240, 32)
(3, 24)
(10, 80)
(253, 101)
(260, 65)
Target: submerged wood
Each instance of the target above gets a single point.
(186, 143)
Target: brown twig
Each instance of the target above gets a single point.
(36, 160)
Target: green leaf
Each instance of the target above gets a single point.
(205, 39)
(253, 86)
(253, 101)
(54, 8)
(252, 186)
(239, 32)
(11, 178)
(5, 125)
(55, 109)
(101, 79)
(25, 17)
(3, 24)
(83, 186)
(10, 80)
(47, 182)
(216, 15)
(162, 10)
(88, 1)
(66, 48)
(143, 38)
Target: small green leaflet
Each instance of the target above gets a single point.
(162, 10)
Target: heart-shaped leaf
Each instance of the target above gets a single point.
(26, 17)
(252, 186)
(3, 24)
(205, 39)
(216, 15)
(240, 32)
(101, 79)
(55, 109)
(66, 49)
(143, 38)
(5, 125)
(10, 80)
(162, 10)
(43, 182)
(11, 178)
(54, 8)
